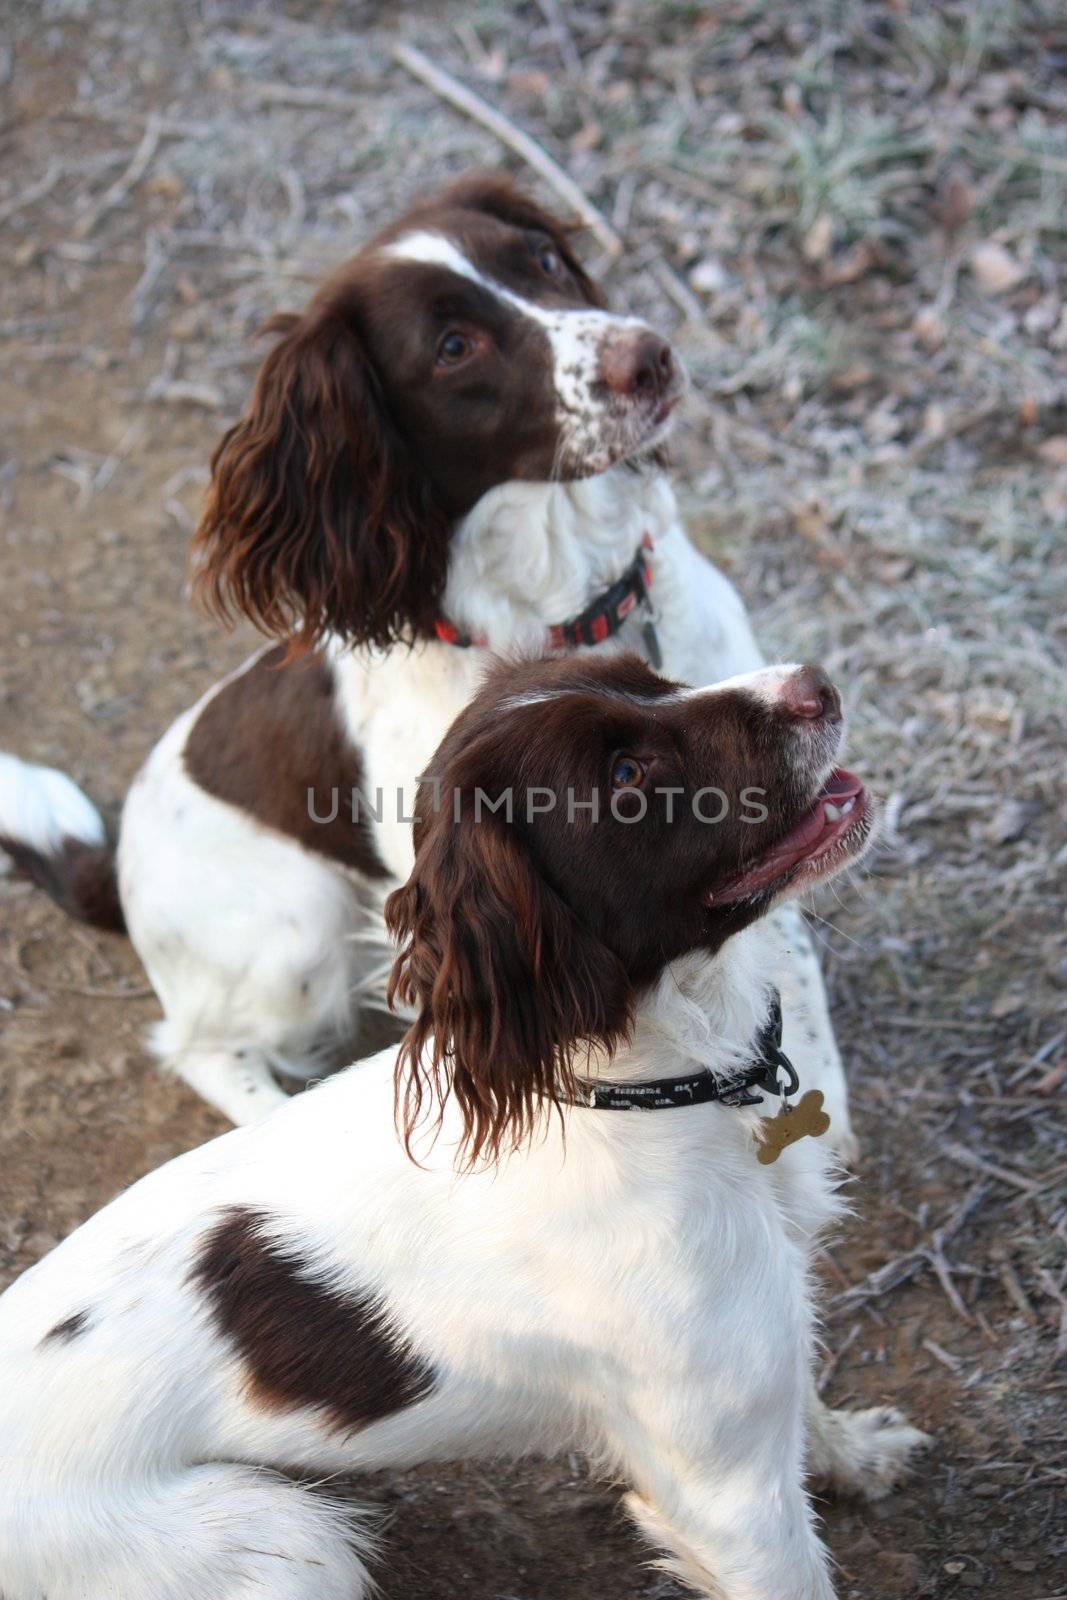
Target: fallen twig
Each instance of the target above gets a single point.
(156, 258)
(1053, 1290)
(35, 192)
(902, 1268)
(311, 99)
(952, 1362)
(472, 105)
(830, 1365)
(131, 439)
(967, 1158)
(943, 1274)
(1014, 1290)
(126, 180)
(679, 292)
(183, 391)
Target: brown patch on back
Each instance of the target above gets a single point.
(272, 735)
(304, 1344)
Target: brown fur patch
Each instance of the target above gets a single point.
(80, 878)
(272, 735)
(524, 938)
(302, 1343)
(332, 500)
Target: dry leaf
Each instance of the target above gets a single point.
(587, 137)
(1052, 1078)
(167, 184)
(855, 263)
(884, 422)
(934, 422)
(709, 276)
(955, 203)
(1054, 500)
(1054, 450)
(1008, 824)
(1007, 1002)
(532, 82)
(1042, 315)
(817, 240)
(929, 328)
(995, 269)
(851, 378)
(895, 569)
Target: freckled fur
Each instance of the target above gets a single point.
(350, 504)
(632, 1285)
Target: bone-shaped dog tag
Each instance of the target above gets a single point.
(791, 1124)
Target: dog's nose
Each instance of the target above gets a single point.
(637, 363)
(809, 696)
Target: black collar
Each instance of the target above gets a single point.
(601, 618)
(770, 1071)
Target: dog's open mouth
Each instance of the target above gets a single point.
(645, 431)
(833, 830)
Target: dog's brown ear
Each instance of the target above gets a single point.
(498, 195)
(316, 519)
(510, 989)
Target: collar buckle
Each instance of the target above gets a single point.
(777, 1075)
(736, 1092)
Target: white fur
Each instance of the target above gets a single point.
(633, 1285)
(256, 947)
(232, 921)
(42, 808)
(247, 938)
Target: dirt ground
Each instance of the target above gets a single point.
(850, 216)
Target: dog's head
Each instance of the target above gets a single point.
(463, 348)
(583, 824)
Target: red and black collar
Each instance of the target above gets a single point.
(603, 616)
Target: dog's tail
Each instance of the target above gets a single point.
(52, 833)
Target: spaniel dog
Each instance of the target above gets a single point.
(549, 1219)
(453, 447)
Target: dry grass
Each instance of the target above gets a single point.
(851, 216)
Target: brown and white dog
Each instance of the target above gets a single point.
(453, 447)
(299, 1299)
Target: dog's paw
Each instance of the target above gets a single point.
(863, 1452)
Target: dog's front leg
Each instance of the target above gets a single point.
(733, 1516)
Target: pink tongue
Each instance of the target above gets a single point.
(841, 785)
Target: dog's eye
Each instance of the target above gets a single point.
(548, 261)
(454, 347)
(627, 773)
